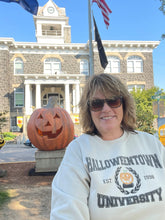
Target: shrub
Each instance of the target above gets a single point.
(8, 136)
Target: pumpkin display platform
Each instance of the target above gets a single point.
(48, 161)
(50, 128)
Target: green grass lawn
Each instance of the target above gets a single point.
(8, 136)
(4, 196)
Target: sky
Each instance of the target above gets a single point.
(139, 20)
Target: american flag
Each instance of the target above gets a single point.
(105, 10)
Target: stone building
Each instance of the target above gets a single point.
(54, 66)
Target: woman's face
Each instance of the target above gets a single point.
(107, 120)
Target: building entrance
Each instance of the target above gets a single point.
(58, 97)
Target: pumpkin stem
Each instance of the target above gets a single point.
(52, 102)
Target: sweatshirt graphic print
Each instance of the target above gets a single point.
(119, 179)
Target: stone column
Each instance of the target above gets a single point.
(67, 98)
(74, 100)
(27, 99)
(39, 30)
(38, 96)
(77, 97)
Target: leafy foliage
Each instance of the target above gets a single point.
(8, 136)
(144, 109)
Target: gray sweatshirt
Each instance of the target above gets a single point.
(122, 179)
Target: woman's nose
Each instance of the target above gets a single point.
(106, 107)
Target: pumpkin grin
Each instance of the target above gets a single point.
(49, 134)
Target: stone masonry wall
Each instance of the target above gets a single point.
(4, 86)
(146, 76)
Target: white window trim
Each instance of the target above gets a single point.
(84, 67)
(15, 92)
(51, 62)
(19, 60)
(111, 67)
(136, 86)
(134, 60)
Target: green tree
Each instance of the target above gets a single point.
(144, 109)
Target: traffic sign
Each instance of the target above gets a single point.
(158, 97)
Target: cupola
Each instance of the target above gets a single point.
(52, 25)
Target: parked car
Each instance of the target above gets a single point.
(28, 143)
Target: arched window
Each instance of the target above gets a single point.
(18, 66)
(84, 69)
(113, 65)
(134, 64)
(52, 66)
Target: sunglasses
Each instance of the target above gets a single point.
(96, 105)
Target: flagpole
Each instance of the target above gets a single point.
(91, 62)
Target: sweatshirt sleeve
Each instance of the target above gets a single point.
(70, 187)
(162, 152)
(161, 149)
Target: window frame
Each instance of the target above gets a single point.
(59, 96)
(84, 67)
(111, 66)
(136, 87)
(18, 61)
(17, 92)
(52, 62)
(133, 62)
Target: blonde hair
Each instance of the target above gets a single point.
(109, 86)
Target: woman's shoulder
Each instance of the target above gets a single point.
(83, 137)
(80, 140)
(143, 133)
(146, 136)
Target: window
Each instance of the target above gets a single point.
(131, 87)
(84, 67)
(18, 97)
(59, 99)
(52, 30)
(52, 66)
(113, 65)
(134, 64)
(18, 66)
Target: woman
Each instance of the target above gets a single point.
(111, 171)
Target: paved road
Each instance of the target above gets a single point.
(17, 153)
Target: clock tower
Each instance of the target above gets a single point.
(52, 25)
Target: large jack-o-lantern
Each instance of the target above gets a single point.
(50, 128)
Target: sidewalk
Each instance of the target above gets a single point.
(30, 196)
(17, 153)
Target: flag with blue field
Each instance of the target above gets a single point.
(29, 5)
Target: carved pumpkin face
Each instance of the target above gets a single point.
(50, 129)
(48, 124)
(126, 178)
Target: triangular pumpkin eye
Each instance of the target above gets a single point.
(40, 116)
(56, 116)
